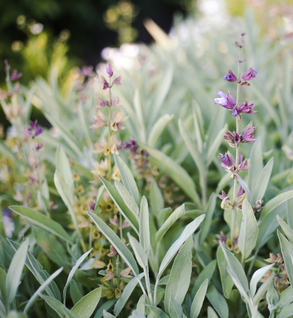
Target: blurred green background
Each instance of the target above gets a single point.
(38, 35)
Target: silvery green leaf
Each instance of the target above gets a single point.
(275, 202)
(187, 232)
(286, 312)
(175, 171)
(66, 135)
(3, 285)
(126, 196)
(262, 182)
(72, 272)
(268, 225)
(285, 297)
(58, 307)
(287, 230)
(245, 188)
(248, 230)
(215, 145)
(198, 299)
(104, 307)
(66, 194)
(212, 313)
(175, 310)
(155, 312)
(180, 275)
(169, 222)
(2, 310)
(227, 282)
(63, 167)
(257, 276)
(206, 273)
(158, 128)
(39, 273)
(52, 247)
(272, 298)
(125, 211)
(40, 220)
(107, 314)
(127, 178)
(266, 103)
(198, 125)
(289, 215)
(122, 250)
(216, 124)
(128, 290)
(192, 147)
(195, 154)
(16, 314)
(263, 289)
(75, 293)
(139, 252)
(238, 284)
(256, 164)
(236, 272)
(141, 304)
(40, 289)
(161, 92)
(8, 152)
(15, 270)
(140, 124)
(287, 253)
(206, 225)
(144, 226)
(218, 301)
(156, 198)
(87, 304)
(98, 198)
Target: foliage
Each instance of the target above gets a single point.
(96, 228)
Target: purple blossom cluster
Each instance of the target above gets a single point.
(115, 119)
(231, 164)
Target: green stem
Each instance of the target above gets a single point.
(109, 132)
(90, 236)
(120, 226)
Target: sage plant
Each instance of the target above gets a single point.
(234, 138)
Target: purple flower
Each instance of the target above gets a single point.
(33, 127)
(38, 146)
(227, 101)
(86, 71)
(15, 76)
(102, 103)
(92, 205)
(38, 131)
(243, 108)
(109, 70)
(104, 82)
(247, 133)
(232, 138)
(227, 160)
(244, 165)
(117, 80)
(230, 77)
(250, 74)
(132, 145)
(228, 163)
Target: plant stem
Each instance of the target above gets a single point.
(233, 216)
(109, 132)
(148, 285)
